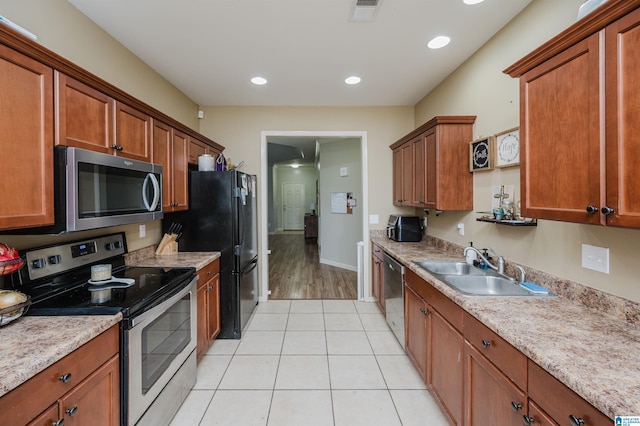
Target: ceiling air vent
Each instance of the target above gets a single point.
(364, 10)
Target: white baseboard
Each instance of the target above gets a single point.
(339, 265)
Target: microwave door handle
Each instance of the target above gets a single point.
(156, 192)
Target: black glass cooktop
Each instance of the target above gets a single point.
(70, 294)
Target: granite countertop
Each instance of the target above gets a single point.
(196, 260)
(31, 344)
(594, 354)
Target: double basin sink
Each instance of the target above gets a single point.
(474, 281)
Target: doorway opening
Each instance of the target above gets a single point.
(312, 268)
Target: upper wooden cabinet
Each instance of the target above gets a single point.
(133, 133)
(431, 165)
(578, 121)
(198, 147)
(26, 156)
(170, 151)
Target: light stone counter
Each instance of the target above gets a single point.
(29, 345)
(196, 260)
(595, 354)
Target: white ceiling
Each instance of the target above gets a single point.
(209, 49)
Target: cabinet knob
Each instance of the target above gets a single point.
(65, 378)
(486, 343)
(575, 421)
(527, 420)
(116, 147)
(516, 406)
(592, 209)
(71, 411)
(607, 210)
(58, 423)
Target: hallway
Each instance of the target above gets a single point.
(310, 362)
(295, 271)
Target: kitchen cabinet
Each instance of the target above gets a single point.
(377, 276)
(170, 148)
(560, 403)
(434, 344)
(431, 165)
(208, 301)
(26, 125)
(495, 377)
(133, 133)
(310, 226)
(82, 388)
(198, 147)
(578, 126)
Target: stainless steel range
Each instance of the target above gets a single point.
(158, 330)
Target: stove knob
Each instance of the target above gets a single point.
(53, 260)
(110, 246)
(39, 263)
(118, 244)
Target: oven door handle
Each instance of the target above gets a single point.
(164, 305)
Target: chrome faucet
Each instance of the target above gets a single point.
(499, 268)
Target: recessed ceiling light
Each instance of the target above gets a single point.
(259, 80)
(438, 42)
(352, 80)
(472, 1)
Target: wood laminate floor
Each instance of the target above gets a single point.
(295, 271)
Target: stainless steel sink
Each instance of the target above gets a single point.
(473, 281)
(450, 268)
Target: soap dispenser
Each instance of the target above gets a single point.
(471, 256)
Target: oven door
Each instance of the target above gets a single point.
(159, 341)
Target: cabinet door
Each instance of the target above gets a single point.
(133, 133)
(407, 174)
(560, 137)
(95, 401)
(161, 149)
(537, 417)
(213, 308)
(48, 418)
(418, 146)
(180, 172)
(202, 343)
(623, 126)
(431, 169)
(446, 367)
(377, 284)
(397, 177)
(26, 126)
(84, 116)
(196, 148)
(417, 328)
(490, 397)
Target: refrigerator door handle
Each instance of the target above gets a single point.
(254, 264)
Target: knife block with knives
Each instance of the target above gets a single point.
(169, 242)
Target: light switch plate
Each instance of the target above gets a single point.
(595, 258)
(374, 219)
(344, 171)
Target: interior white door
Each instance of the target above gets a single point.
(293, 206)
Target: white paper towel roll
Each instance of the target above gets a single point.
(206, 163)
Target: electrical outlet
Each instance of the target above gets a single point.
(142, 230)
(595, 258)
(461, 228)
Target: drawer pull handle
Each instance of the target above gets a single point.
(486, 343)
(65, 378)
(58, 423)
(575, 421)
(516, 406)
(528, 420)
(71, 411)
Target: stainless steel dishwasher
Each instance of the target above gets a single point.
(394, 296)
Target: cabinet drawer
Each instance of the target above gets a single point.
(36, 394)
(208, 272)
(377, 251)
(560, 402)
(511, 361)
(445, 306)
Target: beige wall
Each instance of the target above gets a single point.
(480, 88)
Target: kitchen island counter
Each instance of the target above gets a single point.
(593, 353)
(31, 344)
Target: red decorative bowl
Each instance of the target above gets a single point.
(10, 266)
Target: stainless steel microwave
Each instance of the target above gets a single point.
(95, 190)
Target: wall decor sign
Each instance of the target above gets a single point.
(480, 151)
(508, 148)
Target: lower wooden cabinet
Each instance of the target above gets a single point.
(208, 300)
(82, 388)
(417, 324)
(377, 276)
(310, 226)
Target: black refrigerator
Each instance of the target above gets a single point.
(222, 217)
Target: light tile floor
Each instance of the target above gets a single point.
(310, 362)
